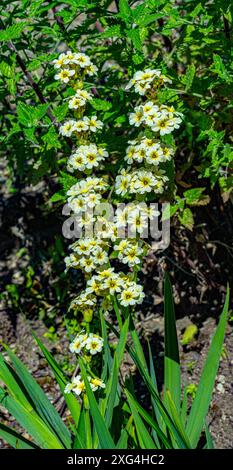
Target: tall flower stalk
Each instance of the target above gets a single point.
(141, 178)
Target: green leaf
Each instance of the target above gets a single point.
(88, 431)
(29, 116)
(111, 32)
(39, 111)
(107, 358)
(78, 442)
(196, 10)
(184, 407)
(30, 135)
(13, 385)
(172, 360)
(219, 68)
(108, 404)
(111, 388)
(67, 180)
(42, 405)
(100, 105)
(30, 421)
(195, 197)
(137, 58)
(137, 345)
(14, 130)
(14, 439)
(148, 19)
(104, 435)
(60, 111)
(153, 378)
(152, 389)
(13, 32)
(51, 139)
(177, 419)
(161, 408)
(59, 196)
(125, 10)
(186, 218)
(204, 392)
(24, 114)
(148, 418)
(72, 402)
(145, 440)
(82, 429)
(169, 211)
(189, 76)
(6, 69)
(123, 440)
(134, 35)
(209, 439)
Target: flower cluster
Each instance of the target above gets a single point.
(107, 283)
(140, 181)
(80, 99)
(90, 343)
(86, 186)
(163, 119)
(81, 126)
(86, 193)
(150, 151)
(88, 254)
(91, 253)
(143, 173)
(159, 118)
(86, 157)
(77, 385)
(73, 66)
(144, 81)
(129, 251)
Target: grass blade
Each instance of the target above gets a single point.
(111, 389)
(78, 442)
(155, 408)
(80, 438)
(107, 358)
(88, 430)
(30, 421)
(104, 436)
(161, 407)
(150, 385)
(137, 344)
(14, 385)
(177, 420)
(123, 440)
(44, 408)
(203, 395)
(71, 400)
(147, 417)
(145, 440)
(209, 439)
(184, 407)
(172, 378)
(14, 439)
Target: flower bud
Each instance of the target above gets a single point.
(86, 402)
(88, 315)
(78, 85)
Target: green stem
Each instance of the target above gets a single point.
(117, 311)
